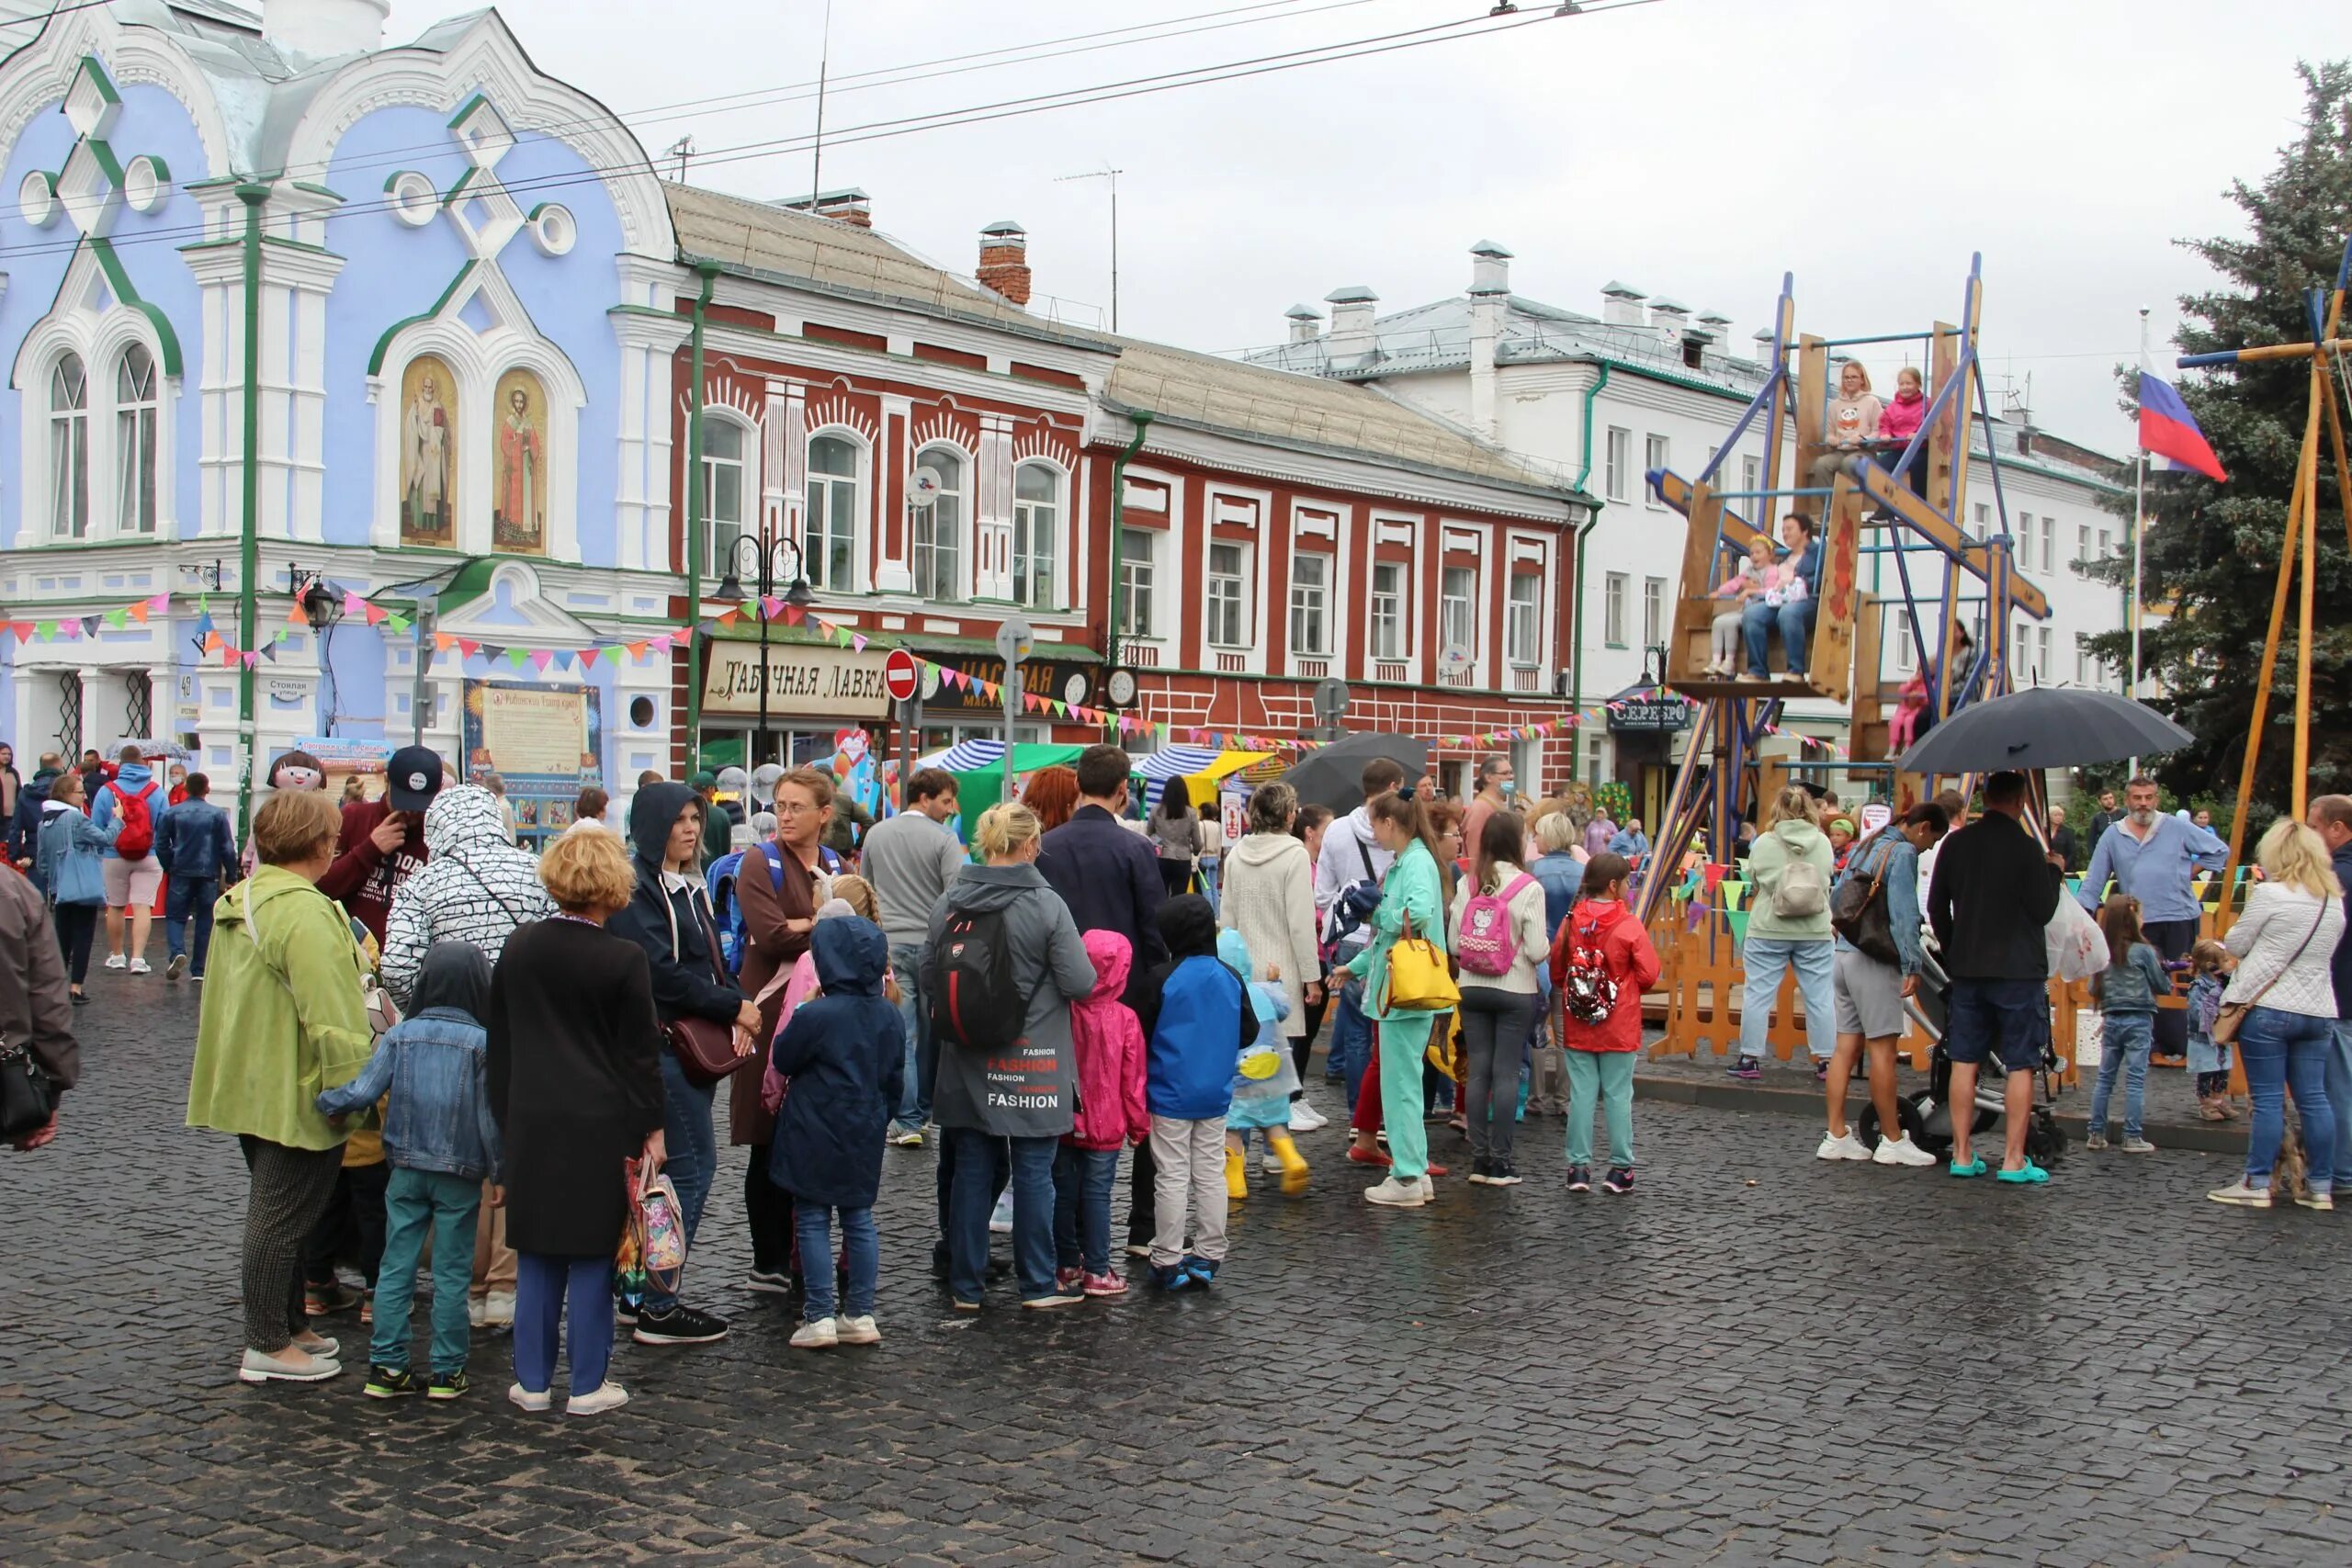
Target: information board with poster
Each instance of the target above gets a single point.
(343, 759)
(1876, 814)
(544, 742)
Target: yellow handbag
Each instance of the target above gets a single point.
(1418, 979)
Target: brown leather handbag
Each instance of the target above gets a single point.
(705, 1047)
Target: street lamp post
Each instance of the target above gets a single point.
(768, 550)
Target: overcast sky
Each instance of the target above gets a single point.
(1692, 148)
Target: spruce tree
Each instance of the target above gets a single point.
(2212, 550)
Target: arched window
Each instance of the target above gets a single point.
(1036, 521)
(829, 529)
(939, 528)
(722, 490)
(69, 449)
(134, 441)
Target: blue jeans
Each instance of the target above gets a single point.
(414, 1200)
(974, 1196)
(923, 1058)
(1082, 1183)
(863, 1251)
(1351, 1037)
(692, 1159)
(543, 1285)
(2339, 1097)
(1815, 961)
(190, 898)
(1795, 622)
(2130, 1037)
(2282, 1050)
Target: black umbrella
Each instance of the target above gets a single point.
(1330, 776)
(2045, 727)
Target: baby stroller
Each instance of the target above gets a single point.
(1928, 1115)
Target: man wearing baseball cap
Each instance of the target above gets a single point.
(382, 841)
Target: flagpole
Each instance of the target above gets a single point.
(2139, 524)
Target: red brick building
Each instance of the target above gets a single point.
(1231, 534)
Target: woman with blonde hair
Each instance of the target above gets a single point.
(2285, 943)
(1788, 928)
(1011, 1106)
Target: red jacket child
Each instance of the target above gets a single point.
(1607, 927)
(1110, 1046)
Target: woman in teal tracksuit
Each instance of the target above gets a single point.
(1411, 894)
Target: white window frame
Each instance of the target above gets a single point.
(745, 462)
(927, 540)
(1653, 610)
(1983, 521)
(2042, 653)
(2082, 543)
(139, 477)
(1523, 620)
(1029, 527)
(1458, 613)
(1391, 608)
(1618, 458)
(817, 514)
(1228, 596)
(1613, 588)
(88, 323)
(1310, 603)
(2105, 543)
(1657, 453)
(1751, 475)
(68, 424)
(1904, 655)
(1138, 582)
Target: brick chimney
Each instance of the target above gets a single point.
(848, 205)
(1005, 260)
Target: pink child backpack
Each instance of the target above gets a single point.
(1485, 946)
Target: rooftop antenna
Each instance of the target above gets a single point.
(1107, 173)
(682, 150)
(824, 58)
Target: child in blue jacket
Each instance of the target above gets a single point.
(1197, 1021)
(442, 1144)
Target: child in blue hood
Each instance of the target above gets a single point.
(845, 1054)
(1197, 1022)
(1262, 1079)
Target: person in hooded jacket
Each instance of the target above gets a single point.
(1788, 928)
(475, 886)
(980, 1111)
(132, 879)
(1269, 896)
(1197, 1021)
(69, 869)
(669, 917)
(1601, 938)
(1110, 1116)
(844, 1053)
(23, 827)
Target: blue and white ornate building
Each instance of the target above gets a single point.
(454, 251)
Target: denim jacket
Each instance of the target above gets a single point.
(439, 1116)
(194, 843)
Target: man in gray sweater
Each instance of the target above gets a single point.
(910, 860)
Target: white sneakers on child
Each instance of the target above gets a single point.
(1304, 1117)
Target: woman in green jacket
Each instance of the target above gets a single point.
(283, 1019)
(1788, 873)
(1411, 895)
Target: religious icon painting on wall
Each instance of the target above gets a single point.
(519, 497)
(428, 452)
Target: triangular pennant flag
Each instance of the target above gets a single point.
(562, 659)
(160, 602)
(270, 652)
(663, 643)
(89, 625)
(542, 657)
(637, 650)
(353, 604)
(518, 657)
(47, 629)
(587, 659)
(397, 625)
(251, 659)
(468, 647)
(295, 617)
(770, 606)
(794, 614)
(118, 619)
(227, 659)
(138, 612)
(857, 641)
(443, 641)
(375, 617)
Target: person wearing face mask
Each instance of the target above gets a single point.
(1498, 784)
(2155, 858)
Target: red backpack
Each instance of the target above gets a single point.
(137, 838)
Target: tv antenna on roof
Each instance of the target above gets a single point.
(1107, 173)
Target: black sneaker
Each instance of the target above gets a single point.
(1481, 1168)
(623, 1313)
(391, 1383)
(447, 1385)
(1619, 1180)
(1579, 1178)
(680, 1326)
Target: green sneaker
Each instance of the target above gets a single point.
(447, 1385)
(1975, 1167)
(391, 1383)
(2026, 1175)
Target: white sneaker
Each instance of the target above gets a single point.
(1429, 1189)
(821, 1334)
(1901, 1151)
(140, 966)
(1842, 1145)
(478, 1316)
(294, 1364)
(1000, 1221)
(117, 960)
(519, 1395)
(497, 1310)
(1304, 1117)
(1268, 1165)
(605, 1396)
(1395, 1194)
(859, 1331)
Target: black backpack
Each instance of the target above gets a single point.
(968, 989)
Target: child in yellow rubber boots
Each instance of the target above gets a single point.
(1262, 1079)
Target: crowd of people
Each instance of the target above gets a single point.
(428, 1040)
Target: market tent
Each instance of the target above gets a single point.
(978, 767)
(1201, 767)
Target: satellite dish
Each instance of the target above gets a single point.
(763, 779)
(923, 486)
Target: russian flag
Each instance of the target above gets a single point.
(2169, 430)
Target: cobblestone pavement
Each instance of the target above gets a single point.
(1757, 1358)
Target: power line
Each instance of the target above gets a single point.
(976, 114)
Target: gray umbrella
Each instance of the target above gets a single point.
(1330, 776)
(2045, 727)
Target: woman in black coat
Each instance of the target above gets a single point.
(668, 915)
(576, 1088)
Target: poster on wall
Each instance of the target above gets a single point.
(543, 742)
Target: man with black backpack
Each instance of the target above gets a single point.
(1875, 910)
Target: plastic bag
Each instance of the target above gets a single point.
(2076, 946)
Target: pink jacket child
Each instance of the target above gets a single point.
(1109, 1045)
(799, 985)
